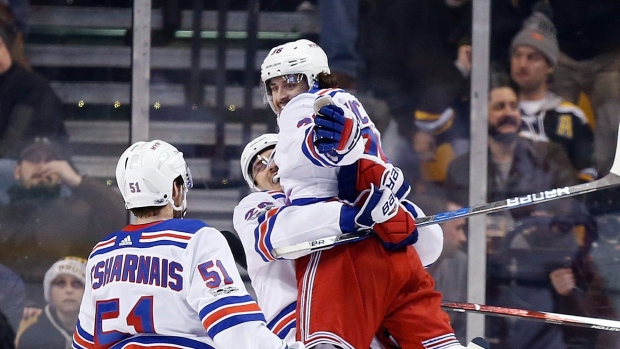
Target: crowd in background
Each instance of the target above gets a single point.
(553, 115)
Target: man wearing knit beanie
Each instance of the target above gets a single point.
(539, 32)
(534, 54)
(63, 287)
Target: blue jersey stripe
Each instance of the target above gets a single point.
(233, 321)
(285, 330)
(284, 312)
(137, 244)
(82, 333)
(223, 302)
(151, 340)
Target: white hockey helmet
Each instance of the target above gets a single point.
(255, 147)
(296, 57)
(146, 171)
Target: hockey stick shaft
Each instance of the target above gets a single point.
(610, 180)
(553, 318)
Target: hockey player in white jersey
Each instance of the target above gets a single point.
(165, 282)
(263, 221)
(332, 149)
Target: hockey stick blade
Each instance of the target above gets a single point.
(610, 180)
(553, 318)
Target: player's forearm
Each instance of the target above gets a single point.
(294, 224)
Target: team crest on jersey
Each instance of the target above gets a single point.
(223, 291)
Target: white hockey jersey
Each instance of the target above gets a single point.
(263, 222)
(305, 173)
(171, 284)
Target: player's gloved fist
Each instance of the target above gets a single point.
(377, 206)
(335, 131)
(392, 221)
(394, 179)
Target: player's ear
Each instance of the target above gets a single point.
(176, 191)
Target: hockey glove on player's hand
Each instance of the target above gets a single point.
(391, 220)
(394, 179)
(334, 130)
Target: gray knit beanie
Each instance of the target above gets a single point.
(74, 266)
(539, 32)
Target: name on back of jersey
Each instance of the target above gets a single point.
(139, 269)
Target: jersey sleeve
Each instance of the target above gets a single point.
(430, 241)
(296, 133)
(264, 222)
(216, 291)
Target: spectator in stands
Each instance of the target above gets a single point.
(11, 300)
(546, 116)
(28, 105)
(516, 166)
(9, 18)
(40, 224)
(399, 74)
(339, 21)
(450, 270)
(605, 206)
(589, 62)
(21, 10)
(442, 119)
(63, 289)
(338, 38)
(547, 266)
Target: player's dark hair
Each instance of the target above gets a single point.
(149, 211)
(327, 80)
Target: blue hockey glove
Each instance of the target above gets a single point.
(334, 130)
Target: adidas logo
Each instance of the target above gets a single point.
(126, 241)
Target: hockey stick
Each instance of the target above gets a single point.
(236, 247)
(553, 318)
(610, 180)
